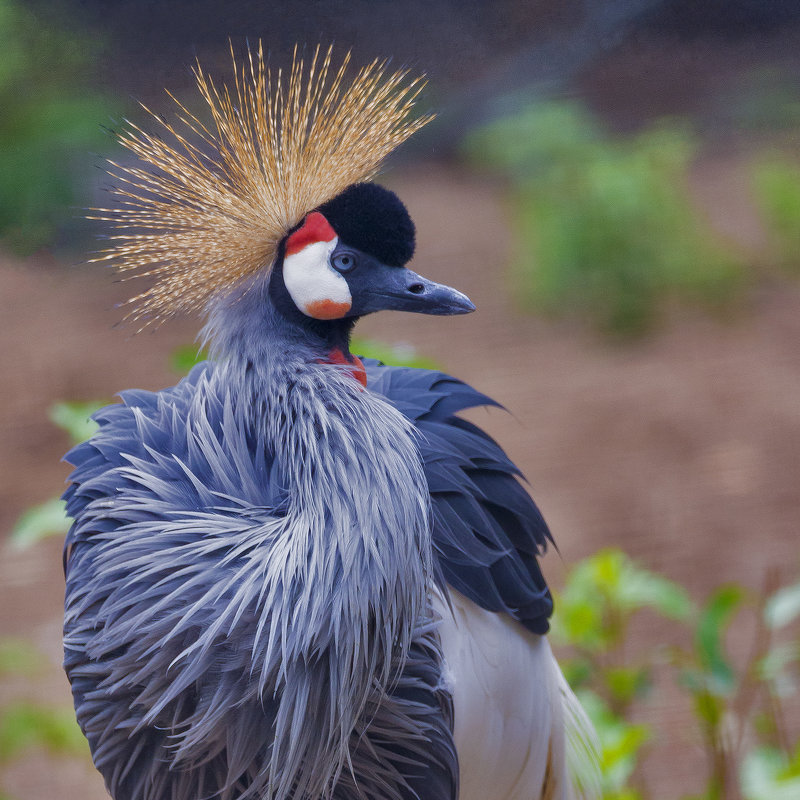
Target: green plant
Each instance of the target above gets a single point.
(393, 355)
(776, 181)
(605, 227)
(738, 707)
(600, 598)
(46, 123)
(48, 518)
(29, 724)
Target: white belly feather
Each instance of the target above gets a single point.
(511, 704)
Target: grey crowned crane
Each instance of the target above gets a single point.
(296, 574)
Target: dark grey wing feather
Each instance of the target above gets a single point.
(487, 531)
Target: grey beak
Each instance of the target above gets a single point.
(400, 289)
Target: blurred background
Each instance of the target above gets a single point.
(616, 185)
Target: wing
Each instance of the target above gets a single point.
(487, 531)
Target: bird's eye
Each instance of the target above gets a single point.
(343, 262)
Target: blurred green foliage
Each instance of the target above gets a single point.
(47, 121)
(601, 597)
(769, 774)
(49, 518)
(396, 354)
(40, 521)
(605, 227)
(17, 657)
(183, 358)
(739, 708)
(27, 724)
(776, 180)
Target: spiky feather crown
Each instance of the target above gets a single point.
(211, 203)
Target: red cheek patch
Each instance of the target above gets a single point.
(326, 309)
(315, 228)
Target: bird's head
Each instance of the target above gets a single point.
(347, 259)
(271, 208)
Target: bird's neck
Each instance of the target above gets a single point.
(260, 327)
(350, 554)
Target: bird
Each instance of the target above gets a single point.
(298, 573)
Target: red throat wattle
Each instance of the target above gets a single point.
(337, 356)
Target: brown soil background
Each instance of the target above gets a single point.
(683, 449)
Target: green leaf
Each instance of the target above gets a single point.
(75, 418)
(783, 607)
(714, 620)
(394, 355)
(577, 671)
(767, 774)
(37, 523)
(620, 743)
(24, 725)
(773, 667)
(643, 588)
(627, 683)
(579, 622)
(709, 708)
(183, 358)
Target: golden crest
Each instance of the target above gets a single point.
(209, 203)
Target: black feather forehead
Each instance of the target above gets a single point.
(372, 219)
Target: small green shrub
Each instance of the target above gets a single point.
(602, 595)
(605, 227)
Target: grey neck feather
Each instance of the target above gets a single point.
(346, 578)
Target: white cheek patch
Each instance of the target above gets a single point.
(316, 288)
